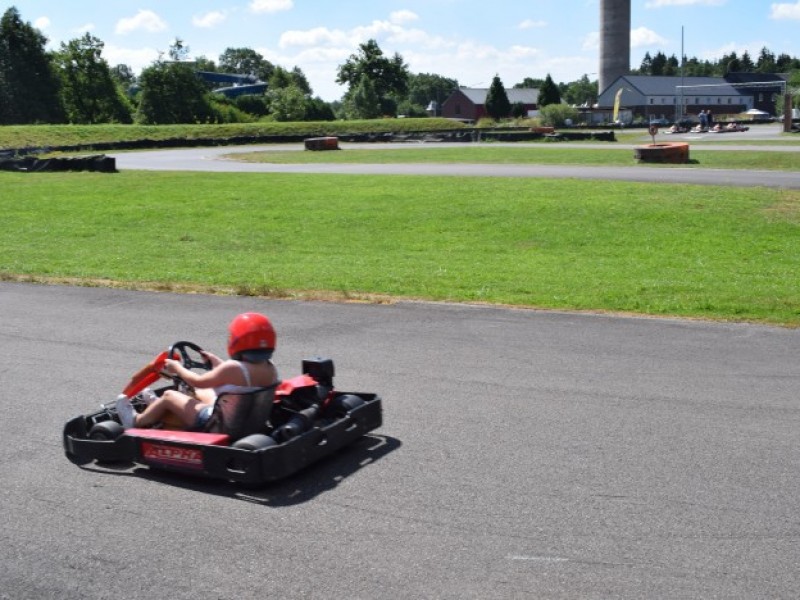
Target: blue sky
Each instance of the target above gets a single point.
(467, 40)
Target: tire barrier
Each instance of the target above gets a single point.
(322, 143)
(29, 164)
(462, 135)
(673, 153)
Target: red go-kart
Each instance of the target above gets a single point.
(252, 438)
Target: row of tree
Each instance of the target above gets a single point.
(75, 84)
(767, 62)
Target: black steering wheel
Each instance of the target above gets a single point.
(191, 356)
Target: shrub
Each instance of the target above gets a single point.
(556, 115)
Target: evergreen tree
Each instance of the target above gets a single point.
(658, 64)
(498, 105)
(646, 68)
(362, 101)
(766, 62)
(29, 90)
(548, 93)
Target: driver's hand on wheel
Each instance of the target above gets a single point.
(170, 366)
(211, 357)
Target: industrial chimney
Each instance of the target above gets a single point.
(615, 41)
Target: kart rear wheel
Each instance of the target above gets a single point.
(106, 431)
(344, 404)
(256, 441)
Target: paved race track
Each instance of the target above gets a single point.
(524, 454)
(210, 160)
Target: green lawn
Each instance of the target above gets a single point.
(698, 251)
(521, 153)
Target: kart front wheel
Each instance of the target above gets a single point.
(106, 431)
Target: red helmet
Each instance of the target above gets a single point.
(250, 331)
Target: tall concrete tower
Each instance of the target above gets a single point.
(615, 41)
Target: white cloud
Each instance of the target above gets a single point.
(145, 20)
(321, 50)
(84, 28)
(663, 3)
(785, 11)
(591, 41)
(271, 6)
(209, 20)
(42, 23)
(401, 17)
(136, 58)
(531, 24)
(643, 37)
(319, 36)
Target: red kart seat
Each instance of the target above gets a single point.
(238, 415)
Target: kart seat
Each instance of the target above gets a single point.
(238, 415)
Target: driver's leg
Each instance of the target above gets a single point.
(172, 402)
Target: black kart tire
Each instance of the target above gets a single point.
(344, 404)
(106, 431)
(256, 441)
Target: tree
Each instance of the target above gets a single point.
(123, 75)
(362, 101)
(658, 64)
(245, 61)
(548, 93)
(318, 110)
(766, 62)
(28, 86)
(646, 68)
(497, 104)
(178, 50)
(281, 78)
(388, 77)
(557, 115)
(529, 83)
(172, 93)
(88, 91)
(582, 91)
(424, 88)
(672, 66)
(287, 103)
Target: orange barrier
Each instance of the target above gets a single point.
(322, 143)
(668, 152)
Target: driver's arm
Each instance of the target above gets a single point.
(221, 374)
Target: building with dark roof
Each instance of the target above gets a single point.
(469, 104)
(653, 97)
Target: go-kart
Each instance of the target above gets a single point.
(252, 438)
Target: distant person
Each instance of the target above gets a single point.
(703, 119)
(709, 119)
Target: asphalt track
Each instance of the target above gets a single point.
(524, 454)
(217, 159)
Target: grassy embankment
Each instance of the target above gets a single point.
(44, 136)
(694, 251)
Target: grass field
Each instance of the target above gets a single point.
(545, 154)
(695, 251)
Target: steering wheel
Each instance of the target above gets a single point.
(191, 356)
